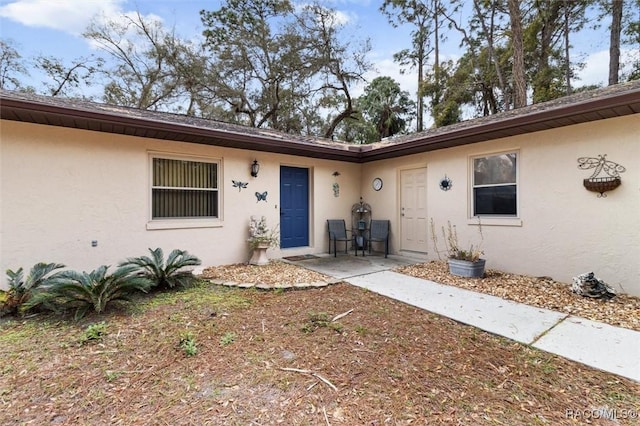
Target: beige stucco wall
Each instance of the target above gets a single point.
(63, 188)
(562, 229)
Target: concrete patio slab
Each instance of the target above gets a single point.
(522, 323)
(347, 265)
(608, 348)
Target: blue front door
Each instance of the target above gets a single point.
(294, 207)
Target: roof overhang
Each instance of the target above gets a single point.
(173, 127)
(534, 118)
(609, 102)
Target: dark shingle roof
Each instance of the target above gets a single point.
(613, 101)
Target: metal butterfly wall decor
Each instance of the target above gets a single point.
(261, 196)
(239, 185)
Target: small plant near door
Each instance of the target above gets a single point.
(260, 239)
(465, 262)
(261, 235)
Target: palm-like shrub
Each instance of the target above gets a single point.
(165, 274)
(84, 291)
(21, 289)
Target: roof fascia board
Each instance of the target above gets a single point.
(217, 137)
(474, 133)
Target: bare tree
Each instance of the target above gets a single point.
(66, 79)
(145, 74)
(11, 66)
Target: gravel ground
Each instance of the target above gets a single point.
(621, 311)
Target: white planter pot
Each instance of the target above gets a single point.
(259, 256)
(466, 268)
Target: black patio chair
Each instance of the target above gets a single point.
(337, 232)
(379, 232)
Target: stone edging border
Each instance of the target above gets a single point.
(264, 286)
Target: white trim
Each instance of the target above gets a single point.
(493, 220)
(183, 224)
(180, 223)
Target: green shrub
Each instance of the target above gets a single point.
(165, 275)
(94, 332)
(21, 289)
(93, 290)
(188, 344)
(227, 338)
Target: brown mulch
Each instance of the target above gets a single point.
(338, 355)
(275, 272)
(543, 292)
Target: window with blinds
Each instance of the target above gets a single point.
(184, 189)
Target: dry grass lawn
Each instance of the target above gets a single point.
(276, 357)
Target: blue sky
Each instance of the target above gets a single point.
(54, 27)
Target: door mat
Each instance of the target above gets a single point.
(301, 257)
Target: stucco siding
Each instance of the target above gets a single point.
(562, 229)
(64, 188)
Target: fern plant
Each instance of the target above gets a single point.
(84, 291)
(165, 274)
(21, 289)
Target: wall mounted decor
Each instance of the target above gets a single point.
(261, 196)
(605, 177)
(239, 185)
(336, 185)
(377, 184)
(255, 168)
(445, 183)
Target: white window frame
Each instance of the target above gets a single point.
(491, 219)
(187, 222)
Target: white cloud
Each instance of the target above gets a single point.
(596, 70)
(388, 68)
(70, 16)
(341, 18)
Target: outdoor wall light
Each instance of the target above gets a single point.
(255, 168)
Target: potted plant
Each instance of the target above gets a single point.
(261, 238)
(462, 262)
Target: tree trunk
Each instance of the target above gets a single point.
(489, 31)
(542, 83)
(614, 44)
(420, 109)
(519, 82)
(567, 45)
(437, 98)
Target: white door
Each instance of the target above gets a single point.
(413, 210)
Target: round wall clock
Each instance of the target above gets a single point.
(377, 184)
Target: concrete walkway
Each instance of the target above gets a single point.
(612, 349)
